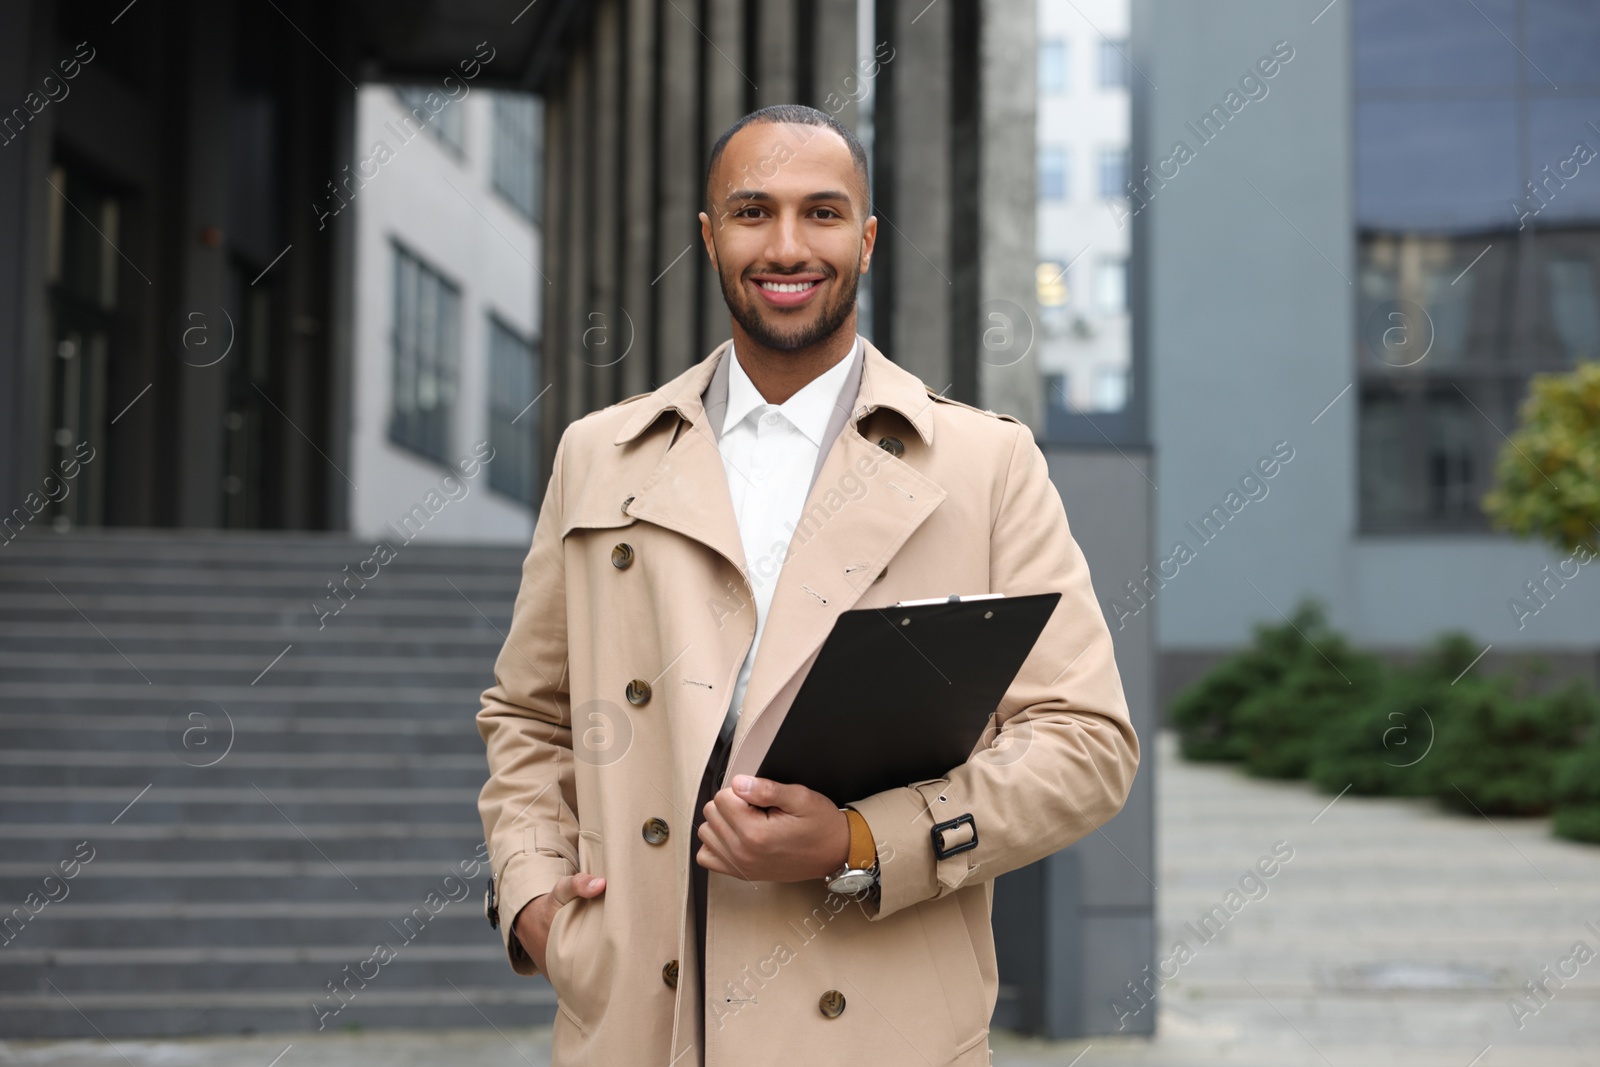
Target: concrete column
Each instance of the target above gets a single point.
(776, 67)
(678, 179)
(915, 286)
(1007, 312)
(603, 326)
(203, 269)
(837, 82)
(639, 129)
(555, 362)
(577, 239)
(24, 165)
(726, 87)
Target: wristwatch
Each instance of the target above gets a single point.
(860, 870)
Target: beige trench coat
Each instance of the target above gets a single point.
(632, 621)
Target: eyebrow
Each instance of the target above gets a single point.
(762, 196)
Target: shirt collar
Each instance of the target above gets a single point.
(809, 409)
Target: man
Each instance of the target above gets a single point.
(692, 552)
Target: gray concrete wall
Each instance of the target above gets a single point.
(1248, 271)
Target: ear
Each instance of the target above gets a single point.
(869, 238)
(706, 239)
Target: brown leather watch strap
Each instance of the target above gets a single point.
(863, 849)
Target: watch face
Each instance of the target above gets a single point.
(852, 882)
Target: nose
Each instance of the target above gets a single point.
(788, 241)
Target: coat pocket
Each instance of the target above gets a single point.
(956, 960)
(571, 961)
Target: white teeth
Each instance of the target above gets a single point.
(786, 287)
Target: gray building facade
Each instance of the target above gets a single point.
(1355, 242)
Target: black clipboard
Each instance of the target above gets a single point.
(902, 694)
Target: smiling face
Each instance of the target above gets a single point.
(788, 236)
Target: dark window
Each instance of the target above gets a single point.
(1113, 172)
(1053, 172)
(516, 155)
(426, 343)
(1113, 64)
(1053, 69)
(513, 415)
(1478, 247)
(433, 109)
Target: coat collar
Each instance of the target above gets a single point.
(884, 384)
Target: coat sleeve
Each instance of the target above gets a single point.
(528, 804)
(1059, 758)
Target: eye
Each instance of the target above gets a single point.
(828, 212)
(749, 211)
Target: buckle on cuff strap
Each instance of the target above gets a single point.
(943, 851)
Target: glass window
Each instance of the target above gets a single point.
(1573, 307)
(1113, 173)
(1111, 285)
(1083, 342)
(1053, 71)
(432, 109)
(1113, 64)
(1478, 243)
(1110, 388)
(1050, 281)
(1053, 172)
(518, 129)
(426, 344)
(1414, 44)
(513, 416)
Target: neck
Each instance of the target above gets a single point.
(778, 374)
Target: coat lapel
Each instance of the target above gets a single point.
(852, 525)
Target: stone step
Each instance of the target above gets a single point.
(459, 921)
(240, 841)
(464, 772)
(512, 1002)
(414, 965)
(289, 670)
(296, 612)
(176, 576)
(237, 548)
(77, 696)
(475, 646)
(322, 873)
(197, 742)
(341, 813)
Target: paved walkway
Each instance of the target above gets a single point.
(1393, 933)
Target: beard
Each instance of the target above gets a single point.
(825, 325)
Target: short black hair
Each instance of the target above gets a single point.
(800, 115)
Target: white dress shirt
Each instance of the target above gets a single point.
(769, 452)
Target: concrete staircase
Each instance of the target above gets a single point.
(261, 803)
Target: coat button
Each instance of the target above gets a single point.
(626, 501)
(669, 974)
(831, 1004)
(638, 691)
(655, 830)
(622, 556)
(892, 446)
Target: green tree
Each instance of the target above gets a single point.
(1547, 478)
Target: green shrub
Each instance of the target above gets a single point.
(1577, 794)
(1377, 749)
(1498, 751)
(1324, 683)
(1203, 714)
